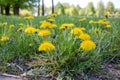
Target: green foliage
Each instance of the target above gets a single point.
(22, 3)
(89, 10)
(110, 7)
(100, 9)
(74, 10)
(61, 10)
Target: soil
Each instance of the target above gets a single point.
(110, 71)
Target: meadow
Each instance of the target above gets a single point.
(59, 45)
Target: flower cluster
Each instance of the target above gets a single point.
(29, 17)
(77, 31)
(45, 24)
(66, 26)
(86, 39)
(44, 32)
(101, 22)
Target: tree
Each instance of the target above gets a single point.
(90, 10)
(100, 9)
(42, 7)
(78, 7)
(38, 7)
(5, 4)
(110, 7)
(7, 9)
(52, 6)
(1, 8)
(34, 6)
(82, 12)
(17, 4)
(60, 9)
(74, 10)
(66, 5)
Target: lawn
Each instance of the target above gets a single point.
(62, 47)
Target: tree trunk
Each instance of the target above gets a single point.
(16, 9)
(42, 7)
(1, 9)
(52, 6)
(38, 7)
(7, 9)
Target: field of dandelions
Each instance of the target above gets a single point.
(58, 44)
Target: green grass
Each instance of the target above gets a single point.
(68, 57)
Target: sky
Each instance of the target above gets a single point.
(83, 3)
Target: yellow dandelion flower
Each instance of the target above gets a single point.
(51, 20)
(29, 17)
(54, 14)
(77, 31)
(20, 29)
(45, 24)
(48, 17)
(44, 32)
(30, 45)
(93, 22)
(46, 46)
(53, 26)
(31, 29)
(107, 22)
(84, 36)
(96, 30)
(21, 24)
(66, 25)
(83, 19)
(87, 45)
(4, 23)
(42, 21)
(82, 28)
(101, 21)
(11, 26)
(4, 38)
(108, 26)
(106, 15)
